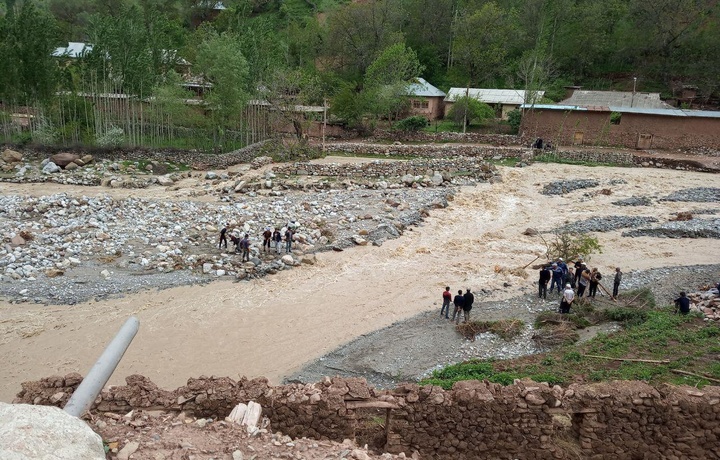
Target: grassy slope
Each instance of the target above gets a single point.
(688, 342)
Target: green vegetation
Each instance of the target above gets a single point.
(357, 56)
(687, 342)
(468, 110)
(415, 123)
(570, 245)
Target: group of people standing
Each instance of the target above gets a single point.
(270, 238)
(578, 276)
(462, 302)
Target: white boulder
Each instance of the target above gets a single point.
(33, 432)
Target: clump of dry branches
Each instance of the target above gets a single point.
(562, 333)
(506, 328)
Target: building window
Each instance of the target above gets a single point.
(615, 118)
(420, 104)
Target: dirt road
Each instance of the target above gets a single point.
(273, 326)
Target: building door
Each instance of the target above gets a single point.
(644, 141)
(578, 139)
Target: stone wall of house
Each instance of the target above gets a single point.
(529, 420)
(425, 150)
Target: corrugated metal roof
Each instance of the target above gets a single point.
(672, 112)
(649, 111)
(702, 113)
(73, 50)
(422, 88)
(494, 96)
(616, 99)
(553, 107)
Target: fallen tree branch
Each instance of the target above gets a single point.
(526, 266)
(654, 361)
(701, 376)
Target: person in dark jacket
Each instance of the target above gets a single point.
(468, 300)
(616, 282)
(557, 276)
(458, 301)
(543, 282)
(682, 303)
(223, 238)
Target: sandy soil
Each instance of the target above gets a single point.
(272, 326)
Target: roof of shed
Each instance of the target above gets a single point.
(670, 112)
(616, 99)
(493, 96)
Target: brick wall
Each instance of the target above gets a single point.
(668, 132)
(528, 420)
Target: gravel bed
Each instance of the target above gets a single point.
(64, 249)
(694, 228)
(697, 195)
(610, 223)
(634, 201)
(562, 187)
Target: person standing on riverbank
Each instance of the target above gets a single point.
(682, 304)
(277, 239)
(267, 234)
(288, 240)
(567, 299)
(595, 278)
(616, 282)
(468, 300)
(446, 298)
(543, 282)
(458, 301)
(557, 276)
(245, 248)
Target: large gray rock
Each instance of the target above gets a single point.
(51, 168)
(42, 432)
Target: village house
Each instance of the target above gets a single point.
(620, 119)
(503, 101)
(425, 99)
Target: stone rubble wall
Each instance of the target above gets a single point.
(189, 157)
(469, 138)
(479, 151)
(528, 420)
(467, 167)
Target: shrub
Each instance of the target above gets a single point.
(113, 137)
(415, 123)
(514, 119)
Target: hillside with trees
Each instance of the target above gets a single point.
(243, 55)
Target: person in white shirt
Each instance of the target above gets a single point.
(567, 299)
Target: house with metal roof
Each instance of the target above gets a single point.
(624, 125)
(425, 99)
(503, 100)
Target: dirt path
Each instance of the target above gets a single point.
(274, 325)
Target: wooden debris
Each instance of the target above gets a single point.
(653, 361)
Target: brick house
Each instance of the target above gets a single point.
(425, 99)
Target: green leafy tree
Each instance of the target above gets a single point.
(570, 245)
(469, 110)
(133, 51)
(224, 65)
(481, 43)
(28, 72)
(359, 31)
(387, 78)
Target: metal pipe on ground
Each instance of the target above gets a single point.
(100, 373)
